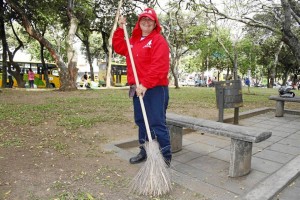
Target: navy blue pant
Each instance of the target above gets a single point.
(156, 102)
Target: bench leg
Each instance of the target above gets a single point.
(175, 138)
(240, 158)
(279, 108)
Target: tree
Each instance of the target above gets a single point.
(207, 43)
(90, 44)
(68, 72)
(106, 11)
(176, 25)
(283, 20)
(91, 48)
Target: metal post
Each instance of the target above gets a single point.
(221, 104)
(236, 116)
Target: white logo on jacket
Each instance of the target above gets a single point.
(148, 45)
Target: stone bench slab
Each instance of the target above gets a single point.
(227, 130)
(242, 138)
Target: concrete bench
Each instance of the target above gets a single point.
(280, 103)
(242, 138)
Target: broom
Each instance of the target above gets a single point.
(153, 178)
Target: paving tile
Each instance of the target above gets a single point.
(269, 122)
(184, 158)
(186, 141)
(284, 129)
(284, 149)
(263, 144)
(284, 119)
(274, 156)
(292, 125)
(210, 165)
(297, 132)
(238, 185)
(174, 163)
(280, 133)
(178, 153)
(263, 126)
(249, 121)
(290, 142)
(265, 166)
(295, 136)
(256, 150)
(274, 138)
(222, 154)
(210, 191)
(191, 171)
(195, 136)
(201, 148)
(213, 141)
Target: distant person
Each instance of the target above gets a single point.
(85, 80)
(31, 78)
(209, 82)
(247, 83)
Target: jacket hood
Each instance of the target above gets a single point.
(148, 12)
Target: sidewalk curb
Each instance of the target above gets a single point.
(272, 185)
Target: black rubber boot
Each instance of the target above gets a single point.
(142, 156)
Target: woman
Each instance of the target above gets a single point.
(151, 56)
(31, 78)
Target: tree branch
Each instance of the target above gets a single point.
(245, 20)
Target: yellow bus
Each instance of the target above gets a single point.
(37, 68)
(118, 73)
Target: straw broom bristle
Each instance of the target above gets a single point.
(154, 176)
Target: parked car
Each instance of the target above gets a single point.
(200, 83)
(188, 82)
(191, 82)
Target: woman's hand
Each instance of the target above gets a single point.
(122, 21)
(141, 90)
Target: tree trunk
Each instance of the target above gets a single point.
(4, 45)
(108, 72)
(45, 67)
(174, 70)
(272, 77)
(90, 60)
(69, 83)
(288, 36)
(235, 64)
(17, 72)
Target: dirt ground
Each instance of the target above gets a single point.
(46, 161)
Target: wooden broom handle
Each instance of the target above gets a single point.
(137, 84)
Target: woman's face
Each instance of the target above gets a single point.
(147, 25)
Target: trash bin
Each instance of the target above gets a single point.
(228, 95)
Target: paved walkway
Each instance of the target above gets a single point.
(203, 163)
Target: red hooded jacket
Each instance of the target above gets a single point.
(151, 55)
